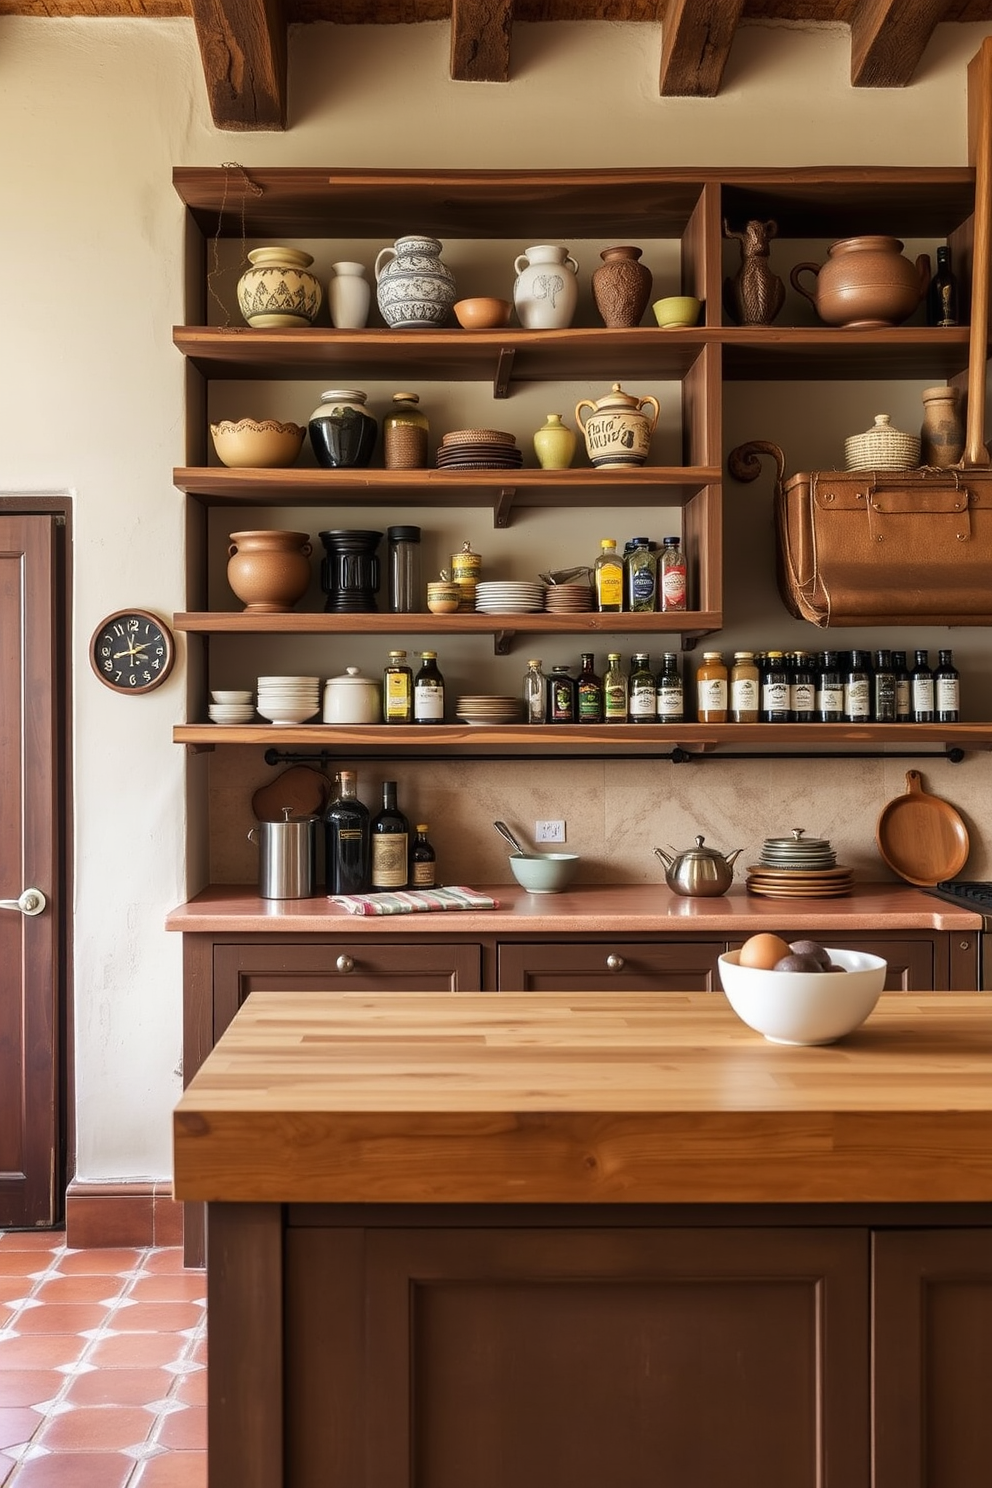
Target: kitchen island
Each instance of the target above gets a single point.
(593, 1238)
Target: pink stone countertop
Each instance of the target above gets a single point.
(628, 908)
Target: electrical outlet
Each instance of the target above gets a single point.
(549, 831)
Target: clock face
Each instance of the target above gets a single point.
(132, 651)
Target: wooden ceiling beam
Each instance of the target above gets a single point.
(696, 36)
(888, 38)
(243, 51)
(480, 40)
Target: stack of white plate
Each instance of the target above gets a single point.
(232, 707)
(568, 599)
(489, 708)
(511, 597)
(288, 700)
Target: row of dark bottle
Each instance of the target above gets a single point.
(363, 852)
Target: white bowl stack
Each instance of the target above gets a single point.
(232, 707)
(288, 700)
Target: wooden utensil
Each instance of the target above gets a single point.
(921, 837)
(301, 788)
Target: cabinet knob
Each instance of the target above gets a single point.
(614, 963)
(345, 964)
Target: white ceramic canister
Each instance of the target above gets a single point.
(349, 296)
(546, 289)
(352, 698)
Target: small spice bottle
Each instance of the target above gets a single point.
(405, 434)
(711, 688)
(744, 688)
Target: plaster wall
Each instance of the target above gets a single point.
(95, 114)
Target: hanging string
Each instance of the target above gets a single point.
(216, 272)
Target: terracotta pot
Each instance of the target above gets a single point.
(269, 571)
(621, 287)
(865, 283)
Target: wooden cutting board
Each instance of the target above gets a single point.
(922, 837)
(301, 788)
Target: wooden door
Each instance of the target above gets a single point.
(32, 810)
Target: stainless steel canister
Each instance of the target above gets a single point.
(287, 856)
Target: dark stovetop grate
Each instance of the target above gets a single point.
(976, 892)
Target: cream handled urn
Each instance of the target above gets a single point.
(617, 428)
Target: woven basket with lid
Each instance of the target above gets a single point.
(882, 448)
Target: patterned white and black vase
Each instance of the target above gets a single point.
(414, 287)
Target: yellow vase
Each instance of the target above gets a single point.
(554, 444)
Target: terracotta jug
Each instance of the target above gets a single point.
(618, 431)
(269, 571)
(865, 283)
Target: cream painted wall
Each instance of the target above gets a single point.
(94, 115)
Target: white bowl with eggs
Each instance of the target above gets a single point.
(802, 1007)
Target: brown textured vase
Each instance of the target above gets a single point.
(621, 287)
(942, 434)
(269, 570)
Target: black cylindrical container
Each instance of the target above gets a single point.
(349, 573)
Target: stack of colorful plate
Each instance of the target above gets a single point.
(478, 449)
(511, 597)
(568, 599)
(798, 867)
(491, 709)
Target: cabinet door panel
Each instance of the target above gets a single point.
(596, 966)
(913, 965)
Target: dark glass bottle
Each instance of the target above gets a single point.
(857, 688)
(589, 691)
(397, 690)
(947, 689)
(423, 860)
(904, 707)
(943, 299)
(641, 704)
(831, 707)
(390, 842)
(921, 689)
(774, 689)
(561, 695)
(802, 688)
(883, 708)
(347, 864)
(428, 691)
(669, 693)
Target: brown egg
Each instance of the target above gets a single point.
(762, 951)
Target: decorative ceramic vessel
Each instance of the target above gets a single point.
(618, 431)
(755, 294)
(942, 434)
(342, 431)
(865, 283)
(443, 597)
(677, 312)
(277, 290)
(349, 296)
(882, 448)
(554, 444)
(269, 570)
(482, 313)
(257, 443)
(621, 286)
(415, 287)
(545, 291)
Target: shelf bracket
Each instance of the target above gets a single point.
(503, 505)
(502, 641)
(504, 370)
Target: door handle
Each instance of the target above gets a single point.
(30, 902)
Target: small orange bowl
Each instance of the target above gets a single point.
(482, 313)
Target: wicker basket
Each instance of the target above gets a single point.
(882, 448)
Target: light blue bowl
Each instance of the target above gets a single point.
(544, 873)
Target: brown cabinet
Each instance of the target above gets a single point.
(590, 966)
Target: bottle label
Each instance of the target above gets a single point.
(669, 700)
(903, 708)
(642, 701)
(609, 586)
(948, 694)
(423, 875)
(922, 694)
(642, 588)
(775, 697)
(803, 697)
(712, 695)
(744, 695)
(831, 698)
(615, 702)
(429, 702)
(590, 702)
(673, 587)
(397, 696)
(857, 698)
(389, 860)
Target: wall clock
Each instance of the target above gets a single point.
(132, 651)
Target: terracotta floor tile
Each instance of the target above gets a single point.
(40, 1351)
(18, 1424)
(199, 1354)
(60, 1317)
(29, 1386)
(186, 1286)
(77, 1470)
(192, 1389)
(185, 1430)
(173, 1470)
(96, 1262)
(23, 1262)
(31, 1240)
(135, 1350)
(98, 1428)
(121, 1387)
(78, 1288)
(168, 1259)
(156, 1317)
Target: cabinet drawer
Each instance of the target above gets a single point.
(913, 965)
(596, 966)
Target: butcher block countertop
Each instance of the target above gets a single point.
(584, 1098)
(615, 909)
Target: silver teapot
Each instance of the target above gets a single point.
(699, 871)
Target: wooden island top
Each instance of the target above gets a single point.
(584, 1098)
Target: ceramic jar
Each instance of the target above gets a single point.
(618, 431)
(269, 570)
(352, 698)
(554, 444)
(342, 431)
(277, 290)
(621, 286)
(865, 283)
(349, 296)
(415, 288)
(942, 434)
(546, 290)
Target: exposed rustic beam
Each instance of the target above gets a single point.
(243, 49)
(695, 44)
(888, 38)
(480, 40)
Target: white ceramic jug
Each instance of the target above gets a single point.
(546, 288)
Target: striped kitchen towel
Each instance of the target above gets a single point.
(405, 901)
